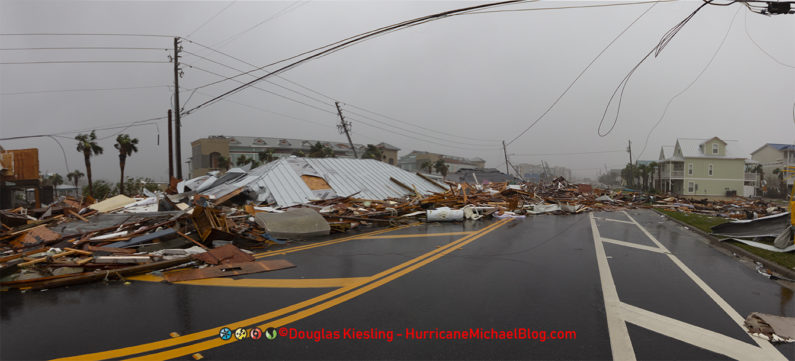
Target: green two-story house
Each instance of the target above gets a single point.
(702, 167)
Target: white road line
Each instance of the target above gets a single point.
(634, 245)
(620, 343)
(615, 220)
(685, 332)
(768, 351)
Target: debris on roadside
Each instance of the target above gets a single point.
(213, 225)
(771, 327)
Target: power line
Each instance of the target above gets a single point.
(356, 39)
(60, 134)
(703, 70)
(276, 15)
(572, 7)
(413, 132)
(238, 70)
(84, 48)
(212, 17)
(330, 112)
(575, 153)
(748, 33)
(309, 89)
(84, 62)
(88, 34)
(417, 125)
(258, 88)
(83, 90)
(666, 38)
(581, 74)
(410, 137)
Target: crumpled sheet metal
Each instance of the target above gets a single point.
(280, 181)
(770, 226)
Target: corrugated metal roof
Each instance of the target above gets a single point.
(369, 177)
(280, 181)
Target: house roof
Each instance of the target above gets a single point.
(387, 146)
(447, 158)
(288, 143)
(777, 146)
(483, 175)
(666, 152)
(691, 148)
(280, 181)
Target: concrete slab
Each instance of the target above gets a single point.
(295, 223)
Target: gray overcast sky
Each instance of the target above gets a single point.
(484, 76)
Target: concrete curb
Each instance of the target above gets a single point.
(714, 241)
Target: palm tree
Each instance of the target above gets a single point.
(372, 152)
(652, 167)
(126, 147)
(441, 167)
(643, 172)
(319, 150)
(627, 174)
(223, 163)
(243, 160)
(74, 176)
(782, 184)
(87, 144)
(267, 156)
(427, 165)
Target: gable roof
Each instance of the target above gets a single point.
(776, 146)
(691, 148)
(666, 152)
(387, 146)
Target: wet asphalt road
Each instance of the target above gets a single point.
(538, 273)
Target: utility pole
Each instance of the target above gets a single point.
(170, 149)
(177, 109)
(345, 127)
(505, 151)
(629, 149)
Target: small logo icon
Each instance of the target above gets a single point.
(225, 333)
(255, 333)
(240, 333)
(271, 333)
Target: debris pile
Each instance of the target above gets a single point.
(211, 226)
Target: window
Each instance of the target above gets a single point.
(709, 170)
(691, 187)
(689, 168)
(714, 148)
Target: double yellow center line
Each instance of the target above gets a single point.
(284, 315)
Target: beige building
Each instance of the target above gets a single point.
(774, 156)
(207, 153)
(703, 167)
(413, 161)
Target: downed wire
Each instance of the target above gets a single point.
(670, 101)
(352, 41)
(666, 38)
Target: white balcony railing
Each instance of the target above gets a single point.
(752, 177)
(674, 174)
